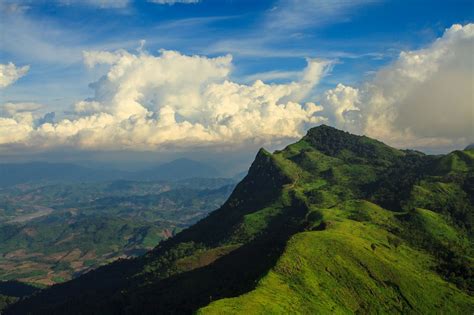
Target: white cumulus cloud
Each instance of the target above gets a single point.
(10, 109)
(173, 101)
(9, 73)
(423, 99)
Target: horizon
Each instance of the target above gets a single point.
(149, 161)
(72, 88)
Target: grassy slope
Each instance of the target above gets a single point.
(349, 267)
(359, 262)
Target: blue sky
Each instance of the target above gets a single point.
(262, 36)
(268, 40)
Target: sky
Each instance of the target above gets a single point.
(151, 80)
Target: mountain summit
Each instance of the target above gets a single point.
(334, 223)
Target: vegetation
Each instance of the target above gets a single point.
(334, 223)
(6, 300)
(50, 234)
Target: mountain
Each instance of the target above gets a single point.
(334, 223)
(44, 172)
(470, 147)
(178, 169)
(18, 173)
(239, 176)
(11, 291)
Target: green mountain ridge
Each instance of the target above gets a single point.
(334, 223)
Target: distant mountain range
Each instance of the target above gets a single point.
(177, 169)
(17, 173)
(333, 224)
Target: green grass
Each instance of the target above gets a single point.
(256, 222)
(58, 279)
(350, 267)
(435, 225)
(23, 275)
(361, 258)
(456, 162)
(203, 257)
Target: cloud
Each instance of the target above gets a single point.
(32, 40)
(9, 73)
(45, 40)
(8, 8)
(148, 102)
(273, 75)
(15, 130)
(299, 14)
(17, 121)
(423, 99)
(93, 58)
(103, 4)
(287, 31)
(16, 6)
(340, 103)
(171, 2)
(10, 109)
(172, 101)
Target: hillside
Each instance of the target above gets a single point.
(335, 223)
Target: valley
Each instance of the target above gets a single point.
(51, 233)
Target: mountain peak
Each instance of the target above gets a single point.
(335, 142)
(262, 152)
(324, 126)
(324, 133)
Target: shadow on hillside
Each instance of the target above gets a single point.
(17, 288)
(231, 275)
